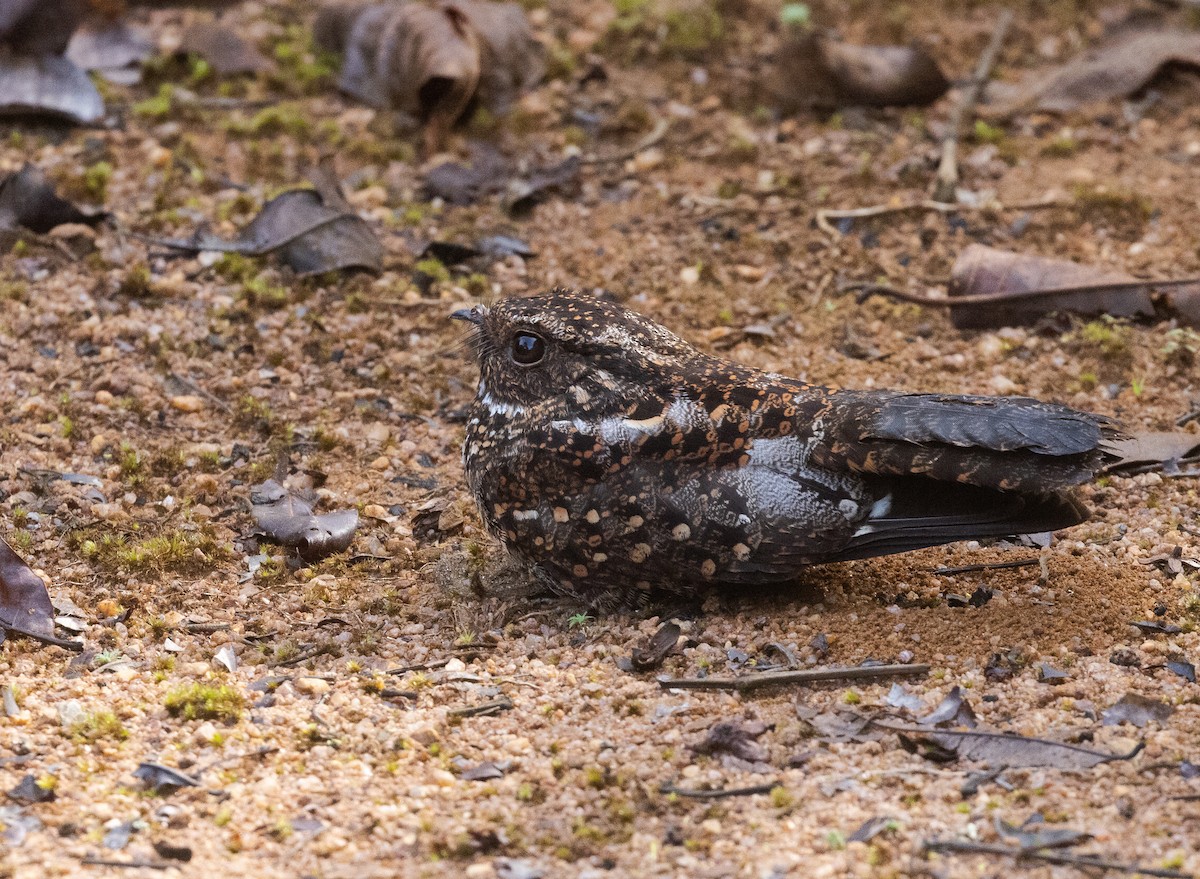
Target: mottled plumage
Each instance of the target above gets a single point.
(617, 458)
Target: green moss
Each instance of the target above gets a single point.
(97, 726)
(236, 266)
(1061, 147)
(261, 291)
(434, 269)
(95, 180)
(693, 32)
(985, 133)
(159, 106)
(304, 68)
(1128, 211)
(199, 701)
(137, 282)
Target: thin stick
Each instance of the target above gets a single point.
(954, 846)
(866, 289)
(808, 676)
(988, 566)
(484, 710)
(720, 793)
(656, 134)
(132, 865)
(824, 216)
(947, 174)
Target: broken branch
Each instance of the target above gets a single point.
(755, 682)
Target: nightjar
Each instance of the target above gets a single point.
(616, 458)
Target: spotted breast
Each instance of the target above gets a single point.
(617, 459)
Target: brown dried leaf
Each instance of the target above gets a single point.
(312, 230)
(48, 85)
(1022, 288)
(226, 52)
(38, 27)
(289, 520)
(1000, 749)
(730, 738)
(1121, 66)
(1145, 450)
(1137, 710)
(660, 644)
(815, 70)
(25, 605)
(113, 49)
(28, 200)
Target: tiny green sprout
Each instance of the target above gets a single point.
(781, 797)
(1138, 386)
(199, 701)
(525, 792)
(106, 657)
(795, 15)
(578, 620)
(851, 697)
(836, 840)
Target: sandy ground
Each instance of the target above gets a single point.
(180, 390)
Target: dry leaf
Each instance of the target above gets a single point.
(1000, 749)
(661, 643)
(113, 49)
(431, 61)
(226, 52)
(1137, 710)
(48, 85)
(1021, 288)
(1152, 449)
(28, 201)
(815, 70)
(289, 520)
(312, 230)
(1124, 64)
(39, 27)
(25, 606)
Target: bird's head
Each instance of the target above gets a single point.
(591, 354)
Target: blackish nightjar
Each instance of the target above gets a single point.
(618, 459)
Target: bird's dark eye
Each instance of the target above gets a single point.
(528, 348)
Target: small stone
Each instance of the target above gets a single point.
(375, 511)
(381, 463)
(103, 398)
(312, 686)
(648, 160)
(188, 403)
(689, 275)
(455, 665)
(1002, 384)
(207, 732)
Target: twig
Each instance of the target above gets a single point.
(824, 216)
(486, 709)
(195, 388)
(865, 290)
(955, 846)
(420, 666)
(987, 566)
(303, 657)
(947, 174)
(656, 134)
(807, 676)
(132, 865)
(719, 793)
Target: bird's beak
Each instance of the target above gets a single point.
(473, 315)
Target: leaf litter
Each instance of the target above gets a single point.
(311, 230)
(288, 519)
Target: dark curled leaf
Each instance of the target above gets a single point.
(223, 49)
(171, 851)
(1185, 670)
(1048, 674)
(1031, 835)
(661, 643)
(999, 749)
(312, 231)
(1151, 450)
(560, 179)
(1154, 627)
(482, 772)
(459, 184)
(163, 779)
(871, 828)
(1010, 289)
(25, 606)
(28, 200)
(288, 519)
(1137, 710)
(735, 739)
(815, 70)
(953, 711)
(29, 791)
(49, 85)
(113, 49)
(1121, 65)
